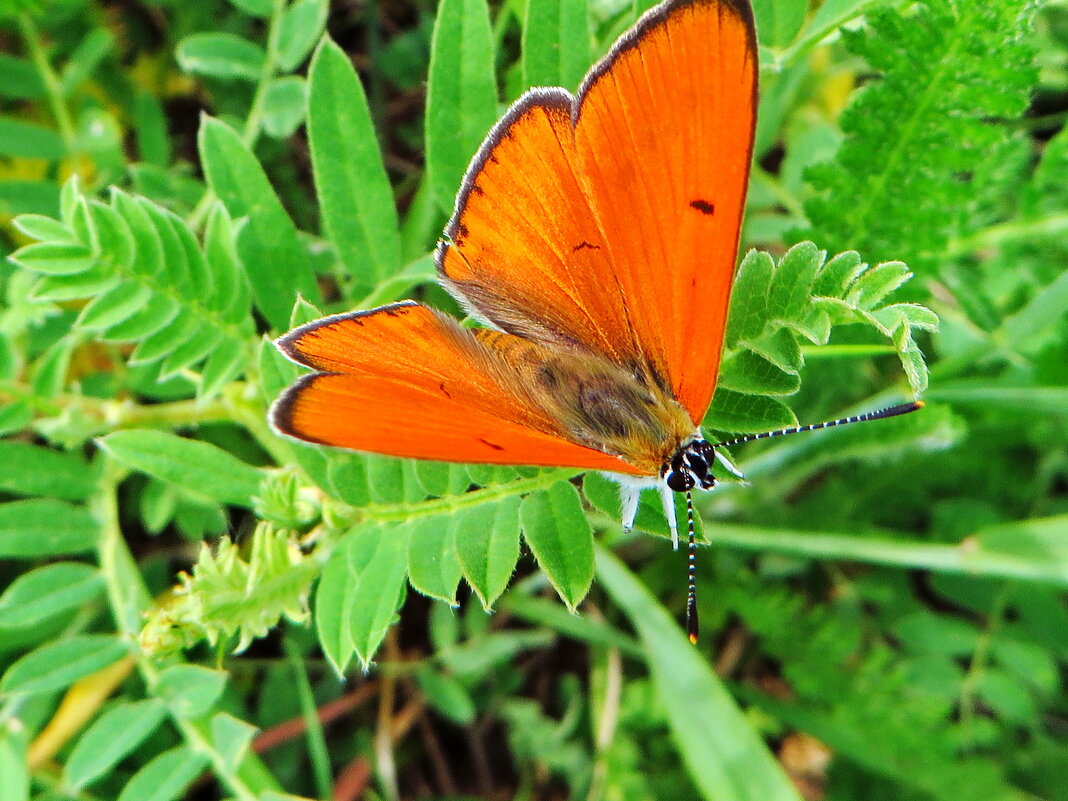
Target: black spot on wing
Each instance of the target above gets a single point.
(584, 245)
(703, 206)
(489, 444)
(444, 391)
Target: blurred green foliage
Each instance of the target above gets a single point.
(883, 607)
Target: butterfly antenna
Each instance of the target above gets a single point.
(691, 572)
(892, 411)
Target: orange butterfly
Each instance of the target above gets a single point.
(596, 235)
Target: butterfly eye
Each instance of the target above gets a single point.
(679, 480)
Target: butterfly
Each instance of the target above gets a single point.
(595, 235)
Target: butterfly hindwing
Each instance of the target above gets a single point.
(407, 381)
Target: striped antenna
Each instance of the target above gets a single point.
(892, 411)
(691, 597)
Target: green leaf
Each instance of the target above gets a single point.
(299, 29)
(230, 290)
(277, 264)
(231, 737)
(556, 529)
(34, 528)
(225, 364)
(57, 665)
(189, 691)
(27, 469)
(750, 373)
(747, 414)
(21, 79)
(220, 55)
(433, 566)
(85, 58)
(28, 197)
(749, 298)
(166, 776)
(487, 544)
(556, 43)
(916, 135)
(355, 196)
(14, 763)
(197, 466)
(114, 306)
(726, 758)
(283, 106)
(150, 123)
(256, 8)
(111, 737)
(55, 258)
(461, 103)
(367, 572)
(447, 696)
(48, 591)
(777, 22)
(876, 283)
(19, 139)
(331, 612)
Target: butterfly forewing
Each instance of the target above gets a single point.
(615, 227)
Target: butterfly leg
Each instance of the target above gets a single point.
(729, 466)
(629, 495)
(667, 495)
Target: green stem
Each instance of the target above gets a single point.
(846, 351)
(997, 235)
(129, 600)
(388, 513)
(966, 558)
(51, 82)
(317, 748)
(979, 659)
(254, 121)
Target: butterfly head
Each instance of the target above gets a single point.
(691, 467)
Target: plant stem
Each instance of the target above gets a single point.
(51, 83)
(997, 235)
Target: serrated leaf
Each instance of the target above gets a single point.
(556, 529)
(220, 55)
(461, 103)
(433, 566)
(749, 298)
(197, 466)
(791, 283)
(781, 348)
(59, 664)
(375, 558)
(276, 263)
(43, 527)
(878, 282)
(751, 373)
(747, 414)
(48, 591)
(111, 737)
(354, 192)
(838, 274)
(487, 544)
(166, 776)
